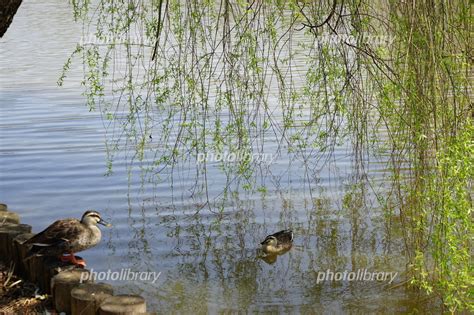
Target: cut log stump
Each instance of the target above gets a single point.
(62, 285)
(123, 305)
(8, 232)
(87, 298)
(20, 251)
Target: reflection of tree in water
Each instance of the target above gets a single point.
(214, 256)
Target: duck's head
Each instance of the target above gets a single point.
(270, 241)
(92, 217)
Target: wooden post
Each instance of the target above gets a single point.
(86, 298)
(123, 305)
(62, 285)
(19, 229)
(8, 232)
(50, 267)
(3, 207)
(34, 269)
(20, 253)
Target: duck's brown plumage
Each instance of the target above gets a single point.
(279, 242)
(284, 236)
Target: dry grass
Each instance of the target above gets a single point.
(20, 297)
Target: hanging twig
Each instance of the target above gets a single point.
(310, 25)
(158, 30)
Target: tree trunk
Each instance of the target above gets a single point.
(7, 12)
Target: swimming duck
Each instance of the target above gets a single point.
(278, 243)
(68, 236)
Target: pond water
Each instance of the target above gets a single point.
(53, 165)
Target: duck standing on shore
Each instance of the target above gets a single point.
(68, 236)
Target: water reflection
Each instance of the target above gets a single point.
(272, 258)
(213, 261)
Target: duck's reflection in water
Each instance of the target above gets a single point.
(271, 258)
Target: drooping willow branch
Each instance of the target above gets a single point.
(158, 28)
(312, 26)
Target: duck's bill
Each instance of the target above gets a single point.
(104, 223)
